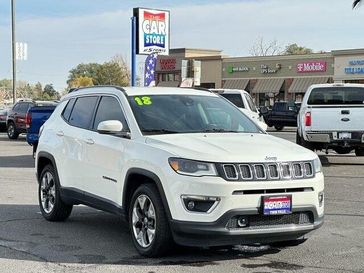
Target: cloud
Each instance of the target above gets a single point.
(56, 44)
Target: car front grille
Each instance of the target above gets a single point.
(266, 171)
(265, 221)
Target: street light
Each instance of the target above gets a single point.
(13, 47)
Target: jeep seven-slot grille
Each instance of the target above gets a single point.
(266, 171)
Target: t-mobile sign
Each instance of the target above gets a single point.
(311, 66)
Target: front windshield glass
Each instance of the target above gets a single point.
(163, 114)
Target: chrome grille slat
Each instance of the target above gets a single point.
(267, 171)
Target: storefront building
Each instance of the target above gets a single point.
(349, 65)
(200, 66)
(277, 78)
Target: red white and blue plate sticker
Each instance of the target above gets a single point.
(276, 205)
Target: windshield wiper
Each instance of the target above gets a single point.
(219, 130)
(159, 131)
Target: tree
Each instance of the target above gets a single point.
(294, 49)
(81, 81)
(262, 48)
(356, 3)
(49, 92)
(89, 70)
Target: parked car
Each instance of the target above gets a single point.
(34, 120)
(331, 117)
(3, 116)
(16, 119)
(244, 102)
(283, 114)
(179, 165)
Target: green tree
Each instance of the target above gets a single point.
(49, 93)
(85, 70)
(81, 81)
(111, 73)
(294, 49)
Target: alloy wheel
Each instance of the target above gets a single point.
(48, 192)
(144, 221)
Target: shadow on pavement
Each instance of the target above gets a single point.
(93, 237)
(19, 161)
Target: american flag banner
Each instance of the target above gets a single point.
(150, 65)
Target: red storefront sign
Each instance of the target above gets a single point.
(167, 64)
(311, 66)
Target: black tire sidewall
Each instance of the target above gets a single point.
(14, 135)
(162, 227)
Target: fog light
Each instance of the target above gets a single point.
(242, 221)
(321, 198)
(204, 204)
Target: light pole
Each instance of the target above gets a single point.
(13, 47)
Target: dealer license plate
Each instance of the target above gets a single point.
(274, 205)
(344, 135)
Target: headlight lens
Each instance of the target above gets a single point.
(192, 168)
(317, 165)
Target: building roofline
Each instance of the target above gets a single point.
(348, 51)
(278, 57)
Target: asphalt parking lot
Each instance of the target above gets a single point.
(94, 241)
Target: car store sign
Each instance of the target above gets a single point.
(311, 66)
(152, 31)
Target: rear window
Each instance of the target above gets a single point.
(235, 99)
(336, 96)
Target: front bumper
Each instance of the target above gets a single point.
(218, 234)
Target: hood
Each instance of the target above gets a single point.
(230, 147)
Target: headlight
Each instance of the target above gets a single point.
(191, 167)
(317, 165)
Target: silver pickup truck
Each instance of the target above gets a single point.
(332, 117)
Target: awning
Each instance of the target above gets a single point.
(169, 84)
(270, 85)
(300, 85)
(236, 84)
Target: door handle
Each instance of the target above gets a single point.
(60, 133)
(345, 112)
(90, 141)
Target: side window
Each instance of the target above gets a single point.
(251, 103)
(109, 109)
(23, 107)
(67, 111)
(81, 115)
(16, 107)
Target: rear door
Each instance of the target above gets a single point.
(337, 108)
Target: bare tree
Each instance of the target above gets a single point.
(263, 48)
(356, 3)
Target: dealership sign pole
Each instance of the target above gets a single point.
(150, 34)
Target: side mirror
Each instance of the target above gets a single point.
(263, 110)
(111, 127)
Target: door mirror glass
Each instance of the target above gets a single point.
(110, 127)
(263, 110)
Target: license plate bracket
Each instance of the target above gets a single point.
(277, 205)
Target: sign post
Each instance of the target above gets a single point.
(150, 34)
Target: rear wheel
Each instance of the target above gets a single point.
(11, 130)
(278, 127)
(50, 203)
(303, 143)
(148, 222)
(342, 150)
(359, 151)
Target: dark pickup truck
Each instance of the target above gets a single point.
(35, 118)
(282, 114)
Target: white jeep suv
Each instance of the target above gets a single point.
(180, 166)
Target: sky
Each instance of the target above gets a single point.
(63, 33)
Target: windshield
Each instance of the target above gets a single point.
(163, 114)
(336, 95)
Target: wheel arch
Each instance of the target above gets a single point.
(43, 160)
(136, 177)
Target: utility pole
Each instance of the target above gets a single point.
(13, 47)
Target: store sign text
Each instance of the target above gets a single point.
(313, 66)
(356, 67)
(232, 69)
(264, 69)
(167, 64)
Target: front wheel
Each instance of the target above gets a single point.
(278, 127)
(11, 130)
(148, 222)
(50, 203)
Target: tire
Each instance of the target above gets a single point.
(289, 243)
(147, 215)
(11, 130)
(278, 127)
(359, 151)
(50, 203)
(298, 138)
(300, 141)
(342, 150)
